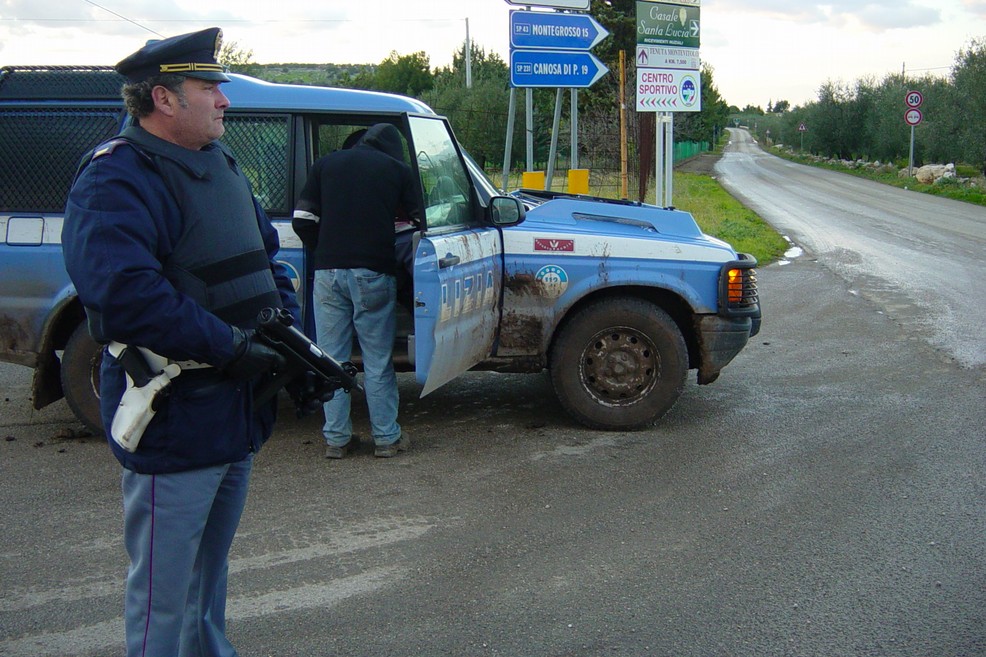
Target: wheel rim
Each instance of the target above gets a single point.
(620, 366)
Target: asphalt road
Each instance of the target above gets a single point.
(920, 257)
(825, 497)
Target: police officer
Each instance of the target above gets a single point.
(170, 252)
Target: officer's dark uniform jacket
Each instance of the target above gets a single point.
(176, 250)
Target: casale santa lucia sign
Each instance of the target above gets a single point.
(668, 60)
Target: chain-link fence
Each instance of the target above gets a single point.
(261, 144)
(599, 138)
(41, 144)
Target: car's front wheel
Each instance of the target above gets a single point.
(619, 364)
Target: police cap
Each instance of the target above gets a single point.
(192, 55)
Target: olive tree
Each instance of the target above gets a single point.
(969, 96)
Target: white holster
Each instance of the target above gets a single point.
(139, 403)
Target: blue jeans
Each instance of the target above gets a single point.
(360, 301)
(178, 528)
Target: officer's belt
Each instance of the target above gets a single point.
(189, 364)
(155, 361)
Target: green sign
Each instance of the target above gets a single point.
(667, 24)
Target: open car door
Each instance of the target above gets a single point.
(457, 266)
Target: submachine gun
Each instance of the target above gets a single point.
(311, 376)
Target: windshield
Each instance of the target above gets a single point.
(444, 181)
(484, 186)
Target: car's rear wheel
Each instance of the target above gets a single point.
(80, 377)
(619, 364)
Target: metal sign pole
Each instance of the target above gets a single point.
(658, 161)
(574, 157)
(554, 139)
(529, 111)
(668, 158)
(910, 159)
(508, 144)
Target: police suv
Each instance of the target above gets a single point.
(618, 300)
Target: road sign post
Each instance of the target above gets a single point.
(551, 49)
(668, 90)
(912, 117)
(668, 79)
(555, 68)
(541, 29)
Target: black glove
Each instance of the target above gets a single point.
(309, 392)
(251, 356)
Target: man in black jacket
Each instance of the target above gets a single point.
(345, 215)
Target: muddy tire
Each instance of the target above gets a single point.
(619, 364)
(80, 378)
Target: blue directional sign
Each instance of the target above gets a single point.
(555, 68)
(554, 31)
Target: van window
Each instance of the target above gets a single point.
(42, 148)
(333, 136)
(260, 143)
(444, 182)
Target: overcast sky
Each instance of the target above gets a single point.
(761, 50)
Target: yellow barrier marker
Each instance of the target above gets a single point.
(578, 181)
(532, 180)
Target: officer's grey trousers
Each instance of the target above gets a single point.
(178, 529)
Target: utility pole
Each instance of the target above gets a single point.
(468, 54)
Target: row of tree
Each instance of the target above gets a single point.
(848, 121)
(865, 119)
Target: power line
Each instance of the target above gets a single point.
(110, 11)
(904, 70)
(224, 21)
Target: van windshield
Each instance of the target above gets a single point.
(444, 182)
(484, 186)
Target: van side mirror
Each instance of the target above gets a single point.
(506, 211)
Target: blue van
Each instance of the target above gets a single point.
(617, 299)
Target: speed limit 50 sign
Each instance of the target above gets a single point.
(913, 115)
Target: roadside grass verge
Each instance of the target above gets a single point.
(970, 192)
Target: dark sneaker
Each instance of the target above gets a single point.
(337, 451)
(389, 451)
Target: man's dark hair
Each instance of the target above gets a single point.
(137, 95)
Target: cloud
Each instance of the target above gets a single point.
(150, 17)
(881, 16)
(976, 7)
(875, 15)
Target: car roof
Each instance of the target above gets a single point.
(247, 93)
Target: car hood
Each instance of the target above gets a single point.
(593, 214)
